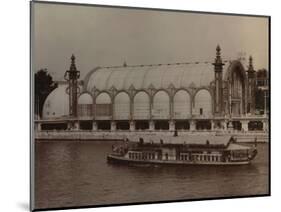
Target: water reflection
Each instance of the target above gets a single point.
(76, 173)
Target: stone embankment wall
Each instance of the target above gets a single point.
(112, 136)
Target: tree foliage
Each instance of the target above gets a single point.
(43, 86)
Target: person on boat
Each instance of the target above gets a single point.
(141, 141)
(175, 133)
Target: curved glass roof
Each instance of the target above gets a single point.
(143, 76)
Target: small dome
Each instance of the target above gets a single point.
(85, 98)
(57, 103)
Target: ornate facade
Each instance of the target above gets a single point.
(182, 96)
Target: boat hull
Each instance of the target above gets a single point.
(122, 160)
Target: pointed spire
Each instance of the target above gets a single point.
(251, 71)
(218, 49)
(72, 58)
(251, 62)
(218, 61)
(218, 55)
(72, 66)
(251, 67)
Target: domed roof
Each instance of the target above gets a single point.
(57, 103)
(85, 98)
(143, 76)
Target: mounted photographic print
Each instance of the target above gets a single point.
(138, 105)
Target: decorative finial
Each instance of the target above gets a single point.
(72, 66)
(218, 50)
(251, 67)
(72, 57)
(218, 55)
(251, 60)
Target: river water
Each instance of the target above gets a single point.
(69, 174)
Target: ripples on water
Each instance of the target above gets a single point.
(76, 174)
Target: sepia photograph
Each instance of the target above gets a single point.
(138, 105)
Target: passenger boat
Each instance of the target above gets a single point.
(182, 150)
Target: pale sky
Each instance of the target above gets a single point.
(100, 36)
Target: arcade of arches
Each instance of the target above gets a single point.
(188, 97)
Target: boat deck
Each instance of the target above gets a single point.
(122, 160)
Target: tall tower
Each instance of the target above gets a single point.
(218, 94)
(251, 76)
(72, 75)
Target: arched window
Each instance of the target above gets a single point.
(122, 106)
(161, 106)
(203, 103)
(237, 92)
(141, 106)
(181, 105)
(85, 105)
(103, 106)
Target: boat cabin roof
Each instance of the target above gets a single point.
(184, 139)
(237, 147)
